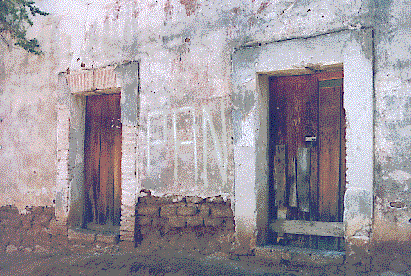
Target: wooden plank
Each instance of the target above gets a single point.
(293, 124)
(329, 147)
(112, 108)
(311, 130)
(117, 161)
(330, 75)
(279, 174)
(92, 148)
(272, 237)
(88, 166)
(314, 192)
(280, 110)
(292, 202)
(342, 167)
(329, 159)
(104, 162)
(107, 159)
(303, 178)
(301, 227)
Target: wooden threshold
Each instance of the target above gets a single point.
(316, 228)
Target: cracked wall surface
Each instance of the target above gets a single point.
(195, 131)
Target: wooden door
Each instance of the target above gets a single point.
(307, 128)
(103, 160)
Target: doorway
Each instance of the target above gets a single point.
(307, 138)
(102, 148)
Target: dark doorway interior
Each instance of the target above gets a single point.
(307, 160)
(102, 162)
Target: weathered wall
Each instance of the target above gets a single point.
(185, 95)
(28, 120)
(186, 98)
(392, 213)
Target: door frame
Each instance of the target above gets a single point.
(71, 106)
(251, 68)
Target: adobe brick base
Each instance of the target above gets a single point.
(188, 223)
(34, 230)
(37, 230)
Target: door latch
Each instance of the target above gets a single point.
(311, 138)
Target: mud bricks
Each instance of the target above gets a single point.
(36, 229)
(190, 223)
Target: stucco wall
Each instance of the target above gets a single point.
(392, 225)
(184, 56)
(28, 120)
(184, 51)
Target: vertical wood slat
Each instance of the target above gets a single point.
(279, 174)
(329, 125)
(111, 135)
(311, 129)
(314, 191)
(329, 159)
(97, 105)
(290, 89)
(272, 115)
(292, 201)
(104, 160)
(92, 157)
(303, 178)
(280, 154)
(342, 164)
(111, 146)
(117, 161)
(88, 169)
(308, 106)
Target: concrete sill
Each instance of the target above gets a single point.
(300, 256)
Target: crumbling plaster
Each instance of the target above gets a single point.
(392, 223)
(179, 49)
(176, 43)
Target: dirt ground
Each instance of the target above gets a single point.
(112, 260)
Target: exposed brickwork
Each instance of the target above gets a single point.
(127, 223)
(178, 222)
(128, 182)
(88, 80)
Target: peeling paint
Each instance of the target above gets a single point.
(194, 108)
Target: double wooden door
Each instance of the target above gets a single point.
(102, 161)
(308, 160)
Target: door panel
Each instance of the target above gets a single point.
(103, 159)
(92, 158)
(329, 163)
(329, 148)
(307, 110)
